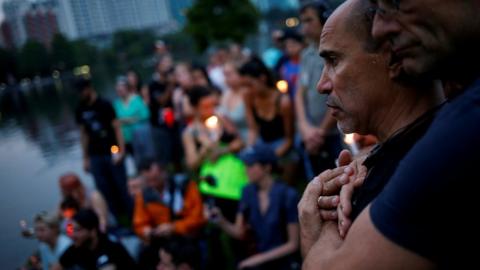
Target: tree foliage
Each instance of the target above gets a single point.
(129, 48)
(34, 59)
(63, 54)
(221, 20)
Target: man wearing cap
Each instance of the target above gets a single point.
(268, 208)
(92, 249)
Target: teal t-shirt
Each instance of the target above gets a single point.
(135, 108)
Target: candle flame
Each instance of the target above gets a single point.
(211, 122)
(348, 139)
(282, 86)
(114, 149)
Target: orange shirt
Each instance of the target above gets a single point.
(151, 213)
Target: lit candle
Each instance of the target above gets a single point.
(282, 86)
(115, 150)
(348, 139)
(213, 126)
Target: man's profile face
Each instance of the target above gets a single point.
(85, 94)
(355, 81)
(43, 232)
(423, 34)
(154, 176)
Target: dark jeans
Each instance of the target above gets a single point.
(111, 181)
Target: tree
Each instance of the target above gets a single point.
(7, 64)
(224, 20)
(63, 55)
(131, 47)
(34, 59)
(84, 53)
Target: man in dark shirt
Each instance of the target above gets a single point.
(415, 222)
(103, 148)
(91, 249)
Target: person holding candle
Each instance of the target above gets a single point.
(210, 144)
(101, 136)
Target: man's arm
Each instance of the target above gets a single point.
(192, 214)
(119, 136)
(318, 190)
(300, 107)
(363, 248)
(141, 219)
(275, 253)
(84, 142)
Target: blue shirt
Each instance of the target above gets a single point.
(429, 205)
(50, 257)
(270, 229)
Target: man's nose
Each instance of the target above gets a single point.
(324, 85)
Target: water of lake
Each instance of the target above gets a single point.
(39, 141)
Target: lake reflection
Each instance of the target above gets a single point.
(39, 141)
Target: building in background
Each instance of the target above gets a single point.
(37, 19)
(41, 23)
(90, 18)
(7, 35)
(178, 9)
(14, 11)
(266, 5)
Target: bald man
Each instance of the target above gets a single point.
(367, 95)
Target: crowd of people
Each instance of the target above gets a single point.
(219, 160)
(221, 152)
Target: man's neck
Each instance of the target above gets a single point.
(407, 108)
(52, 242)
(266, 183)
(314, 41)
(93, 98)
(95, 241)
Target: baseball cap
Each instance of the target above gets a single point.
(259, 153)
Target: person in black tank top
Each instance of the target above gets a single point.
(269, 113)
(269, 116)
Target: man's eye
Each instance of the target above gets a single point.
(332, 60)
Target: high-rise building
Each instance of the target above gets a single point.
(265, 5)
(88, 18)
(139, 14)
(14, 11)
(178, 9)
(7, 35)
(41, 23)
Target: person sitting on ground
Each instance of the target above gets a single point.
(71, 187)
(269, 209)
(179, 255)
(168, 206)
(52, 243)
(92, 249)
